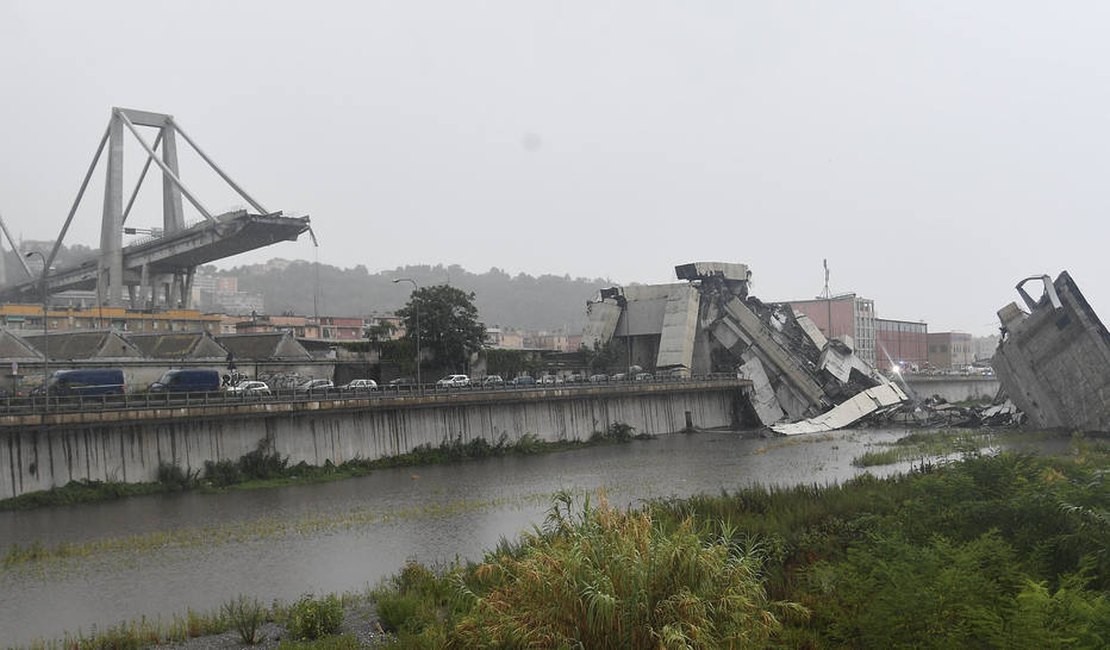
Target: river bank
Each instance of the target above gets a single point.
(265, 468)
(154, 556)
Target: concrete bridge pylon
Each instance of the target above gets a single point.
(156, 274)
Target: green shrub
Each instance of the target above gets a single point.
(616, 432)
(222, 473)
(621, 432)
(527, 444)
(172, 475)
(890, 592)
(343, 642)
(262, 463)
(599, 578)
(313, 618)
(246, 616)
(415, 598)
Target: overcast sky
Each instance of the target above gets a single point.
(934, 152)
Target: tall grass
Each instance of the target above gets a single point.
(996, 551)
(920, 445)
(594, 577)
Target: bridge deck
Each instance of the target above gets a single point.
(234, 233)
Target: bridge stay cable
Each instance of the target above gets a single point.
(77, 200)
(148, 269)
(166, 169)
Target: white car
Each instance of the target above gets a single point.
(249, 388)
(453, 381)
(360, 384)
(315, 386)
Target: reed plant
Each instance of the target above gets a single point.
(246, 616)
(314, 617)
(341, 642)
(594, 577)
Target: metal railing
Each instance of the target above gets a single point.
(37, 404)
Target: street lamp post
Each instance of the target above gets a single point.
(416, 308)
(628, 333)
(45, 333)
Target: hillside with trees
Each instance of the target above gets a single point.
(544, 302)
(521, 300)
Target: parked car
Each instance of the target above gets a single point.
(401, 382)
(599, 378)
(453, 381)
(360, 384)
(315, 386)
(550, 380)
(493, 381)
(187, 380)
(251, 387)
(620, 376)
(524, 380)
(643, 376)
(89, 381)
(576, 378)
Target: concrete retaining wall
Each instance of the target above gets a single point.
(129, 446)
(954, 388)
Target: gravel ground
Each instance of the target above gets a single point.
(359, 620)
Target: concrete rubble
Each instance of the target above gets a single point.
(934, 412)
(802, 382)
(1054, 360)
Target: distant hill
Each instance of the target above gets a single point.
(544, 302)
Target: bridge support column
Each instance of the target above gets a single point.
(187, 288)
(173, 218)
(110, 277)
(146, 289)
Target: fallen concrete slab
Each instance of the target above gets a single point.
(846, 413)
(1054, 360)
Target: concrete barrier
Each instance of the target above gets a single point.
(954, 388)
(40, 452)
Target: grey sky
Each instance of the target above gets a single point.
(934, 152)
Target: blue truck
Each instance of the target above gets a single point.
(187, 380)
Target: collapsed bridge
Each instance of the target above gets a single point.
(157, 271)
(802, 382)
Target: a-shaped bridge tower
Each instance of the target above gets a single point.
(158, 271)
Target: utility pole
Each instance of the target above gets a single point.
(416, 308)
(45, 333)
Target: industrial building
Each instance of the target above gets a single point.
(950, 350)
(901, 343)
(844, 315)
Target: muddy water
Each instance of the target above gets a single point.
(156, 556)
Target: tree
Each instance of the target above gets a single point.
(449, 325)
(600, 357)
(379, 331)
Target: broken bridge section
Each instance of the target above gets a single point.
(1054, 360)
(709, 324)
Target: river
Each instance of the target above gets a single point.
(156, 556)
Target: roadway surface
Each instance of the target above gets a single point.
(338, 398)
